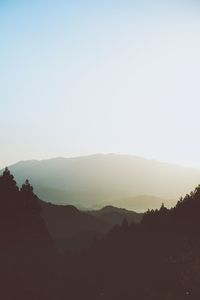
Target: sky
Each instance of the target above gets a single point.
(84, 77)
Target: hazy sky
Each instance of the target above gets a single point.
(81, 77)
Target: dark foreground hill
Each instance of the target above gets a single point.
(26, 247)
(158, 258)
(98, 180)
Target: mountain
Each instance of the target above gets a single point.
(156, 259)
(114, 215)
(69, 227)
(72, 228)
(98, 180)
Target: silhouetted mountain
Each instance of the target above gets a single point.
(72, 228)
(114, 215)
(157, 258)
(99, 180)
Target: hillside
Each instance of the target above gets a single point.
(157, 259)
(113, 215)
(102, 257)
(72, 228)
(98, 180)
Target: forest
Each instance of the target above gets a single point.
(156, 257)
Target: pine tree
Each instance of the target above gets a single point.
(30, 200)
(7, 182)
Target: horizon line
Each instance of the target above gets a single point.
(102, 154)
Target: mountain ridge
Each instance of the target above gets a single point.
(98, 180)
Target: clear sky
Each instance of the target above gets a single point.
(82, 77)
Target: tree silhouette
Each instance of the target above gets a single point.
(25, 244)
(30, 200)
(7, 182)
(26, 187)
(20, 213)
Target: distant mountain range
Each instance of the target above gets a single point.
(98, 180)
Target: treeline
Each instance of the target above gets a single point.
(20, 220)
(26, 248)
(156, 259)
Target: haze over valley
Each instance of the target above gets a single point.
(94, 181)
